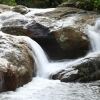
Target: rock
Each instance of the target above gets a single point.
(20, 9)
(24, 27)
(4, 8)
(85, 70)
(63, 42)
(56, 40)
(72, 42)
(86, 4)
(63, 12)
(52, 41)
(16, 63)
(34, 30)
(69, 3)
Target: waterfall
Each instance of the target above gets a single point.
(40, 87)
(46, 67)
(93, 33)
(38, 54)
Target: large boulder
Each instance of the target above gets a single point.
(72, 42)
(83, 70)
(16, 62)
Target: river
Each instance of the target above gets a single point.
(41, 87)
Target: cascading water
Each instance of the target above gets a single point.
(44, 66)
(39, 55)
(93, 33)
(41, 88)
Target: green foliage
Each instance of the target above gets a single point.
(28, 3)
(8, 2)
(86, 4)
(39, 3)
(97, 4)
(92, 4)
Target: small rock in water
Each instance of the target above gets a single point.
(20, 9)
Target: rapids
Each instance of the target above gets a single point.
(42, 88)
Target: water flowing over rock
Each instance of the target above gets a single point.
(63, 42)
(85, 70)
(25, 27)
(61, 31)
(63, 12)
(41, 31)
(16, 64)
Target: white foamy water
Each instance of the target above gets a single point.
(44, 89)
(41, 88)
(65, 22)
(44, 67)
(93, 33)
(38, 11)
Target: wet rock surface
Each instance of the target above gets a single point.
(42, 29)
(20, 9)
(16, 63)
(59, 41)
(85, 70)
(72, 42)
(24, 27)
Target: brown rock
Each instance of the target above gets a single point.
(73, 43)
(16, 63)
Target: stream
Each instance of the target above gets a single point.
(41, 87)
